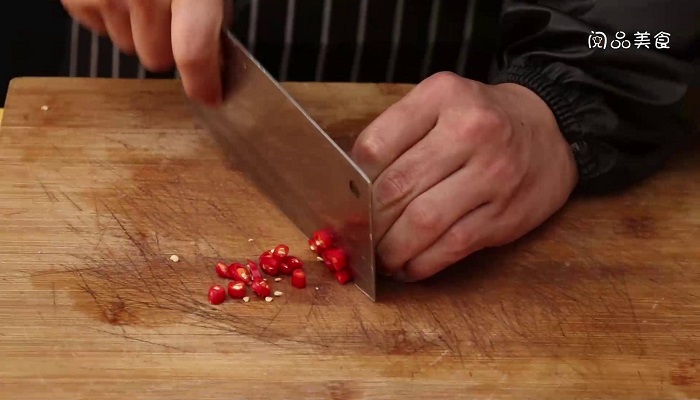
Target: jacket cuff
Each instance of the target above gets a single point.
(576, 113)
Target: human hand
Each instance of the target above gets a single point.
(163, 33)
(459, 166)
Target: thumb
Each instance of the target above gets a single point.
(196, 39)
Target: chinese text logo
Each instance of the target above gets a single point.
(599, 40)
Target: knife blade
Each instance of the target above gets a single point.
(286, 154)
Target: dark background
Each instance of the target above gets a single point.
(35, 40)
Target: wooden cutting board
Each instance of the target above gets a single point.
(111, 178)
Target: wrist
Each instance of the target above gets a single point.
(528, 111)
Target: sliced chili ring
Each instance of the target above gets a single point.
(242, 274)
(267, 253)
(261, 288)
(293, 262)
(280, 252)
(336, 258)
(299, 278)
(254, 270)
(313, 247)
(222, 270)
(217, 294)
(270, 266)
(285, 268)
(231, 270)
(236, 290)
(323, 239)
(343, 276)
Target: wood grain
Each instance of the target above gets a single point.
(99, 190)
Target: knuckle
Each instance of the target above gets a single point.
(459, 240)
(485, 124)
(447, 82)
(441, 82)
(367, 149)
(423, 218)
(395, 185)
(490, 119)
(443, 79)
(505, 171)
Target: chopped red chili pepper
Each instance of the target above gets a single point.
(222, 270)
(285, 268)
(280, 252)
(254, 270)
(323, 239)
(231, 270)
(312, 246)
(293, 262)
(335, 258)
(217, 294)
(267, 253)
(241, 274)
(270, 266)
(261, 288)
(299, 278)
(343, 276)
(236, 290)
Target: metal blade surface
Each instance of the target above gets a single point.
(275, 143)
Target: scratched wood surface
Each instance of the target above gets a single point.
(97, 191)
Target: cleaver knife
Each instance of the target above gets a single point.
(286, 154)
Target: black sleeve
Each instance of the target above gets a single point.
(619, 107)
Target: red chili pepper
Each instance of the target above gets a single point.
(222, 270)
(270, 266)
(323, 239)
(293, 262)
(231, 270)
(280, 252)
(343, 276)
(241, 274)
(312, 246)
(261, 288)
(254, 270)
(285, 268)
(335, 258)
(217, 294)
(236, 290)
(267, 253)
(299, 278)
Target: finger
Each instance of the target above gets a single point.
(196, 42)
(150, 24)
(397, 129)
(432, 213)
(86, 15)
(423, 166)
(116, 15)
(463, 238)
(228, 14)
